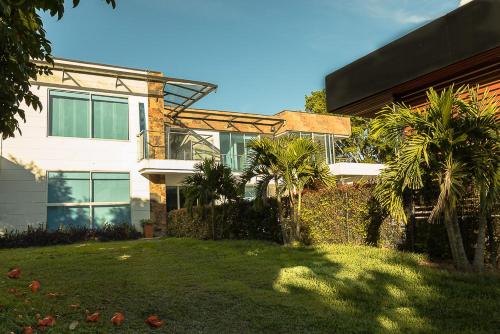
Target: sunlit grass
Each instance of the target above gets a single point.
(244, 287)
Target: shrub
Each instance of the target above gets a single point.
(181, 223)
(348, 214)
(117, 232)
(239, 220)
(40, 236)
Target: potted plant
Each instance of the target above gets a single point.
(147, 228)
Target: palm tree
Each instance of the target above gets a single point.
(293, 164)
(262, 163)
(210, 183)
(445, 144)
(483, 155)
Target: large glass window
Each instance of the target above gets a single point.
(109, 117)
(325, 141)
(68, 187)
(110, 215)
(87, 199)
(172, 198)
(234, 150)
(69, 114)
(185, 144)
(110, 187)
(175, 197)
(84, 115)
(67, 217)
(180, 145)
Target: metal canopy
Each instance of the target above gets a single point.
(179, 94)
(230, 118)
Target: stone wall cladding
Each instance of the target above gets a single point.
(158, 200)
(319, 123)
(156, 138)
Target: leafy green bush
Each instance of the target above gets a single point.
(117, 232)
(181, 223)
(40, 236)
(348, 214)
(239, 220)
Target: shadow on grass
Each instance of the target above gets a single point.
(358, 290)
(254, 287)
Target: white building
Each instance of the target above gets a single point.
(113, 144)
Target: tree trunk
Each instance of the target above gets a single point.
(492, 245)
(212, 214)
(455, 240)
(478, 263)
(297, 222)
(280, 214)
(293, 233)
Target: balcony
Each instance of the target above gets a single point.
(177, 150)
(173, 151)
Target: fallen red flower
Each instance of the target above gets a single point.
(47, 321)
(35, 286)
(14, 273)
(118, 318)
(94, 317)
(154, 321)
(28, 330)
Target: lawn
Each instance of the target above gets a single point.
(243, 287)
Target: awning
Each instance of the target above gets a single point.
(179, 94)
(230, 118)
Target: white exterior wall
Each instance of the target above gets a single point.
(349, 172)
(25, 160)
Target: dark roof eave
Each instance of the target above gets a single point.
(461, 34)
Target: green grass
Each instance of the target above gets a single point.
(245, 287)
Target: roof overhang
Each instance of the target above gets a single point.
(469, 31)
(180, 94)
(229, 118)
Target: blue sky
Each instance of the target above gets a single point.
(264, 55)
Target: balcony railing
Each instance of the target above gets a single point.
(189, 147)
(184, 144)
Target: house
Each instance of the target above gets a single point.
(113, 145)
(460, 48)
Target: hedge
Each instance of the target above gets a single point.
(345, 214)
(348, 214)
(240, 220)
(40, 236)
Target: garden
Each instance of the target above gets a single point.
(416, 250)
(240, 286)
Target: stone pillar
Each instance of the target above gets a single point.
(156, 121)
(157, 150)
(158, 201)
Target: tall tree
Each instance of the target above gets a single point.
(210, 183)
(262, 163)
(22, 40)
(452, 145)
(483, 153)
(293, 164)
(361, 146)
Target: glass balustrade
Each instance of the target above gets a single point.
(186, 144)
